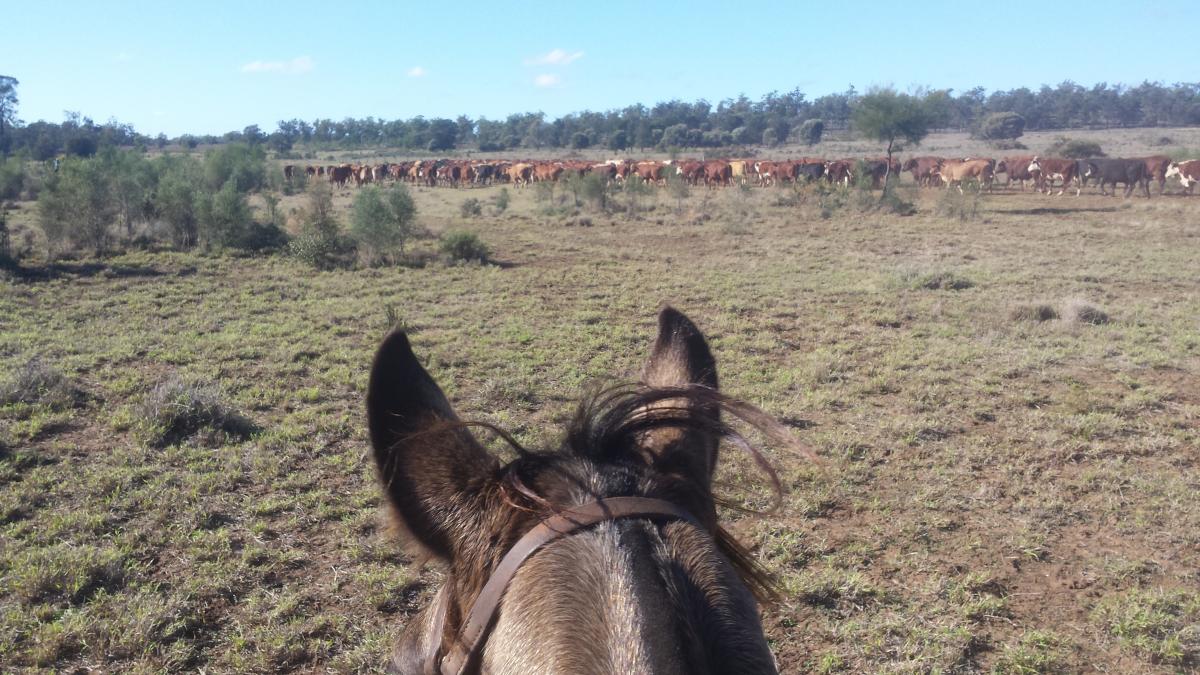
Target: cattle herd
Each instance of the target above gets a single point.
(1045, 174)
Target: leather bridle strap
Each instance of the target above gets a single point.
(479, 618)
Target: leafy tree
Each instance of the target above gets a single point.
(224, 217)
(76, 206)
(811, 131)
(888, 116)
(177, 197)
(133, 180)
(1001, 126)
(8, 109)
(443, 134)
(769, 138)
(246, 166)
(580, 141)
(674, 136)
(618, 140)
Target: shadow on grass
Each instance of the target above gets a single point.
(81, 270)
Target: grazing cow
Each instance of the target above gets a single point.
(809, 170)
(877, 169)
(546, 171)
(1131, 172)
(1046, 171)
(692, 172)
(717, 173)
(340, 175)
(649, 171)
(740, 169)
(289, 170)
(1156, 170)
(1015, 169)
(1188, 172)
(520, 174)
(955, 171)
(840, 171)
(320, 170)
(310, 171)
(922, 169)
(379, 172)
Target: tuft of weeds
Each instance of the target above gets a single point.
(1159, 624)
(1035, 652)
(37, 383)
(1080, 311)
(1034, 313)
(961, 204)
(941, 280)
(178, 409)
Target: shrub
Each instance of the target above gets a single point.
(1079, 311)
(580, 141)
(1035, 313)
(246, 166)
(501, 200)
(470, 208)
(935, 281)
(741, 136)
(1072, 148)
(960, 204)
(770, 138)
(36, 383)
(811, 131)
(77, 206)
(12, 178)
(1000, 126)
(177, 409)
(224, 218)
(382, 221)
(177, 197)
(464, 247)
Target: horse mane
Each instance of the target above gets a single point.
(611, 421)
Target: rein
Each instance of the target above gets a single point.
(464, 652)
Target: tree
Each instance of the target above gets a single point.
(811, 131)
(1001, 126)
(887, 116)
(618, 140)
(76, 206)
(8, 109)
(580, 141)
(175, 200)
(442, 135)
(382, 221)
(224, 217)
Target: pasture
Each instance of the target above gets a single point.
(1005, 410)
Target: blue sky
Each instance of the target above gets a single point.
(209, 67)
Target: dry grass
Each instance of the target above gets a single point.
(996, 494)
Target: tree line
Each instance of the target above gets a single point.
(771, 120)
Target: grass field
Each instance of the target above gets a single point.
(1006, 408)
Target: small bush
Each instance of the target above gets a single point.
(1079, 311)
(177, 409)
(1035, 313)
(1163, 141)
(36, 383)
(464, 247)
(962, 204)
(382, 221)
(12, 178)
(810, 131)
(935, 281)
(321, 251)
(500, 201)
(1072, 148)
(1007, 145)
(1001, 126)
(470, 208)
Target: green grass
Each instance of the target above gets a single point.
(997, 492)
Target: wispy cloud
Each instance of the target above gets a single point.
(296, 66)
(546, 80)
(123, 57)
(554, 57)
(417, 71)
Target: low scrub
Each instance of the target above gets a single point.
(961, 204)
(935, 281)
(37, 383)
(1074, 148)
(1034, 313)
(1080, 311)
(464, 247)
(1163, 625)
(176, 410)
(470, 208)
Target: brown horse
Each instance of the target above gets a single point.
(667, 591)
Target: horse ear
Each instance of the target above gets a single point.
(432, 468)
(680, 359)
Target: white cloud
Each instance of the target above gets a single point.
(296, 66)
(554, 57)
(546, 80)
(417, 71)
(123, 57)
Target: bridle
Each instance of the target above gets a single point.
(463, 654)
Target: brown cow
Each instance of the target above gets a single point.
(1015, 169)
(1188, 172)
(717, 173)
(340, 175)
(922, 168)
(1046, 171)
(955, 171)
(1156, 170)
(289, 170)
(840, 171)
